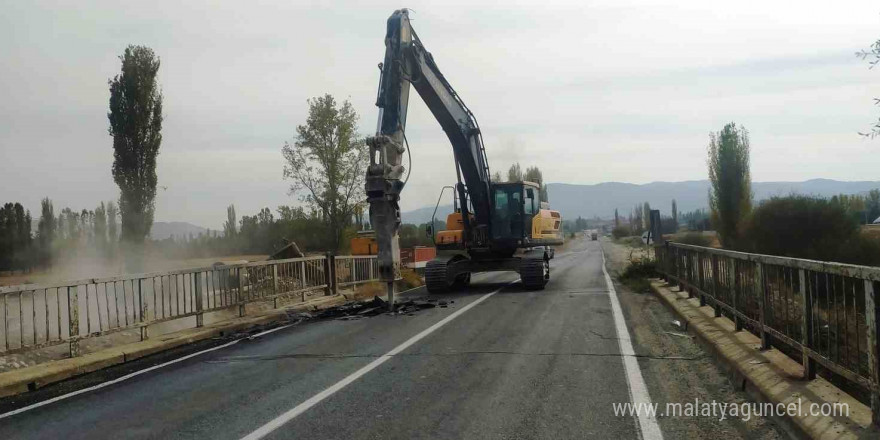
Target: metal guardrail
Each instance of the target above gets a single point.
(354, 269)
(826, 311)
(39, 316)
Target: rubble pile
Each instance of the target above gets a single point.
(376, 306)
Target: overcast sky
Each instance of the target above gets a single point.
(589, 91)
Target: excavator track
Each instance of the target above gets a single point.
(436, 279)
(534, 273)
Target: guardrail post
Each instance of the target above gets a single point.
(681, 261)
(241, 308)
(806, 327)
(330, 274)
(716, 285)
(73, 318)
(145, 334)
(667, 261)
(327, 289)
(733, 296)
(762, 304)
(334, 276)
(302, 279)
(689, 270)
(274, 285)
(702, 277)
(873, 355)
(197, 291)
(676, 257)
(372, 275)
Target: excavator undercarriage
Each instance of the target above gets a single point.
(453, 272)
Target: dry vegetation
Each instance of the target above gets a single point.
(696, 238)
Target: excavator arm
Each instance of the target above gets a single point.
(408, 62)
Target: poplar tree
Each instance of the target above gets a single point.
(730, 194)
(136, 127)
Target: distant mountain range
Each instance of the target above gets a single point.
(163, 230)
(601, 199)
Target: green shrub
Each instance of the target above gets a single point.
(621, 231)
(635, 276)
(635, 242)
(807, 227)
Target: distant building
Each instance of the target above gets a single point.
(417, 257)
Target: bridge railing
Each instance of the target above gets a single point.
(37, 316)
(354, 269)
(820, 313)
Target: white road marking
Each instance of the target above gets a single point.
(130, 375)
(271, 330)
(317, 398)
(638, 391)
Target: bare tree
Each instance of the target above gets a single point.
(872, 55)
(514, 174)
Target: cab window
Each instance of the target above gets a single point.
(507, 221)
(530, 202)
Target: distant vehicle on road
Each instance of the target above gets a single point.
(594, 236)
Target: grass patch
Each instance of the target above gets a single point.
(633, 241)
(410, 279)
(636, 275)
(371, 289)
(693, 238)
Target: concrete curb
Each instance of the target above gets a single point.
(27, 379)
(769, 376)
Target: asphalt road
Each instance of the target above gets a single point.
(515, 364)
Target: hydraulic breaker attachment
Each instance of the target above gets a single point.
(383, 186)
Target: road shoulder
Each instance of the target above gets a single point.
(769, 376)
(676, 368)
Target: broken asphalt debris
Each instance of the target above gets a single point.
(374, 307)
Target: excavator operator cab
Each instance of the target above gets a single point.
(514, 205)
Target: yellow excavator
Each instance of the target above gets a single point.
(495, 226)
